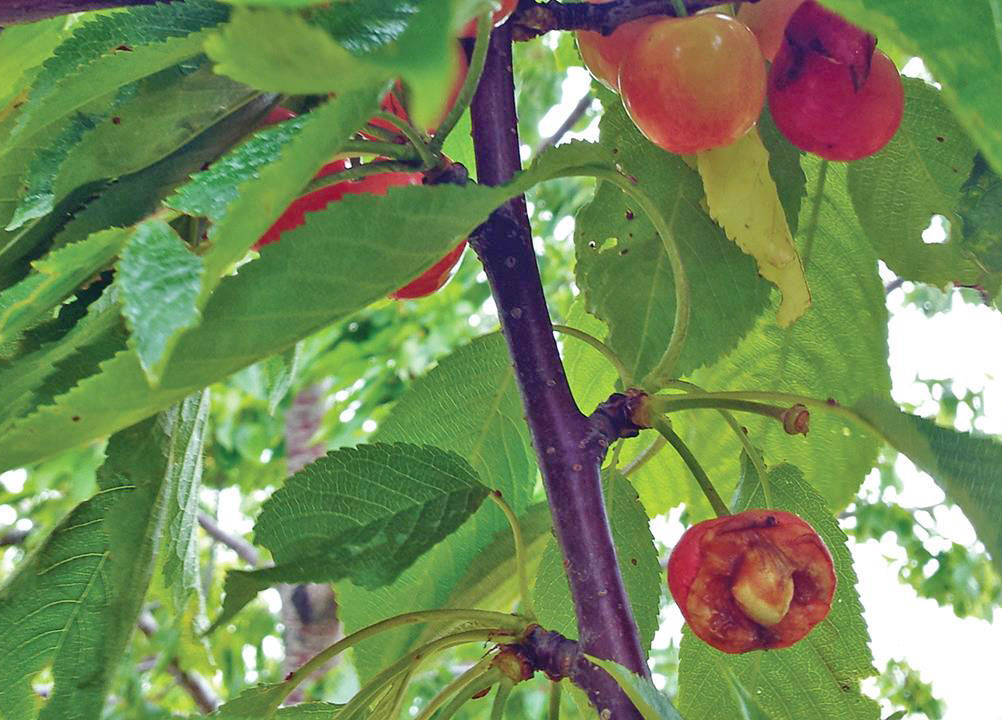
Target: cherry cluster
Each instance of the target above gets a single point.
(695, 83)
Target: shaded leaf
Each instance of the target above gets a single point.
(968, 467)
(112, 50)
(55, 277)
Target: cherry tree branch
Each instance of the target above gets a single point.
(569, 446)
(537, 18)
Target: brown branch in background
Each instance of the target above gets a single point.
(192, 683)
(247, 552)
(569, 122)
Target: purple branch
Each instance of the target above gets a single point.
(569, 445)
(13, 12)
(534, 19)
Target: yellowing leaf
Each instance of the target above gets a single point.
(742, 198)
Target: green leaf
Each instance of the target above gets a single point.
(344, 257)
(23, 384)
(641, 691)
(38, 195)
(74, 603)
(469, 405)
(968, 467)
(245, 192)
(164, 112)
(491, 580)
(23, 48)
(182, 482)
(784, 166)
(591, 376)
(981, 211)
(412, 40)
(55, 277)
(816, 679)
(257, 702)
(742, 197)
(970, 71)
(837, 350)
(642, 573)
(297, 58)
(403, 499)
(159, 280)
(113, 50)
(918, 174)
(615, 241)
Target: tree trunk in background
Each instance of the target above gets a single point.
(309, 611)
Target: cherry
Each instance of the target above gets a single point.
(500, 15)
(817, 107)
(603, 54)
(768, 19)
(815, 29)
(295, 215)
(433, 278)
(755, 580)
(695, 83)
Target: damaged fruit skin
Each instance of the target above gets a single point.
(760, 579)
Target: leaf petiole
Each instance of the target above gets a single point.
(662, 425)
(520, 559)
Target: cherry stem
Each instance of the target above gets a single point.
(680, 8)
(753, 454)
(643, 458)
(662, 425)
(520, 559)
(554, 707)
(357, 706)
(470, 82)
(624, 375)
(473, 687)
(498, 622)
(714, 401)
(501, 698)
(413, 137)
(460, 682)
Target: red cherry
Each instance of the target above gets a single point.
(755, 580)
(277, 114)
(817, 107)
(432, 279)
(500, 15)
(695, 83)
